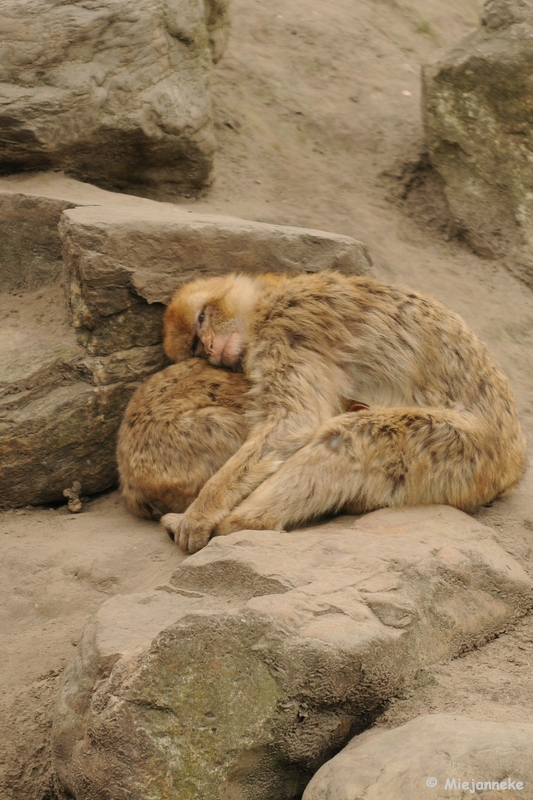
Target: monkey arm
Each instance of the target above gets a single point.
(287, 409)
(253, 463)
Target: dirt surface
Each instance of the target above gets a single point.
(317, 112)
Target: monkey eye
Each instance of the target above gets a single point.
(201, 317)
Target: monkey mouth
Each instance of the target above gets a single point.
(230, 354)
(226, 359)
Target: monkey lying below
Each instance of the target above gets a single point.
(178, 429)
(442, 425)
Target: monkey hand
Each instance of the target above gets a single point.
(190, 534)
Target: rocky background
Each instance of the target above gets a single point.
(278, 647)
(110, 266)
(114, 93)
(478, 114)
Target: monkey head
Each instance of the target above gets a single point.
(184, 315)
(207, 318)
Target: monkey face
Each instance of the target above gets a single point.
(220, 335)
(205, 319)
(180, 337)
(182, 318)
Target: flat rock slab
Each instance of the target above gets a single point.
(268, 651)
(85, 277)
(429, 758)
(478, 128)
(31, 205)
(114, 93)
(124, 263)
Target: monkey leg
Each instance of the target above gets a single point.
(377, 458)
(318, 479)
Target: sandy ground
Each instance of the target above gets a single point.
(317, 112)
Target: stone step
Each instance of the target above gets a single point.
(431, 757)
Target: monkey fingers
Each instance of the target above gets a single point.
(189, 534)
(171, 523)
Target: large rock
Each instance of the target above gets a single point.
(112, 92)
(431, 758)
(79, 333)
(478, 121)
(31, 205)
(267, 651)
(125, 263)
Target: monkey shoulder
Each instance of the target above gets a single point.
(316, 311)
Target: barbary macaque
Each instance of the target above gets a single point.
(441, 426)
(178, 429)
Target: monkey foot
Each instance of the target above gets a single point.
(189, 535)
(171, 523)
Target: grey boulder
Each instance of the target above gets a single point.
(478, 122)
(111, 92)
(431, 757)
(268, 651)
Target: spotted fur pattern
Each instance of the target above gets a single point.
(441, 426)
(178, 430)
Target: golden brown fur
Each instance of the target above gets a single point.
(441, 428)
(178, 430)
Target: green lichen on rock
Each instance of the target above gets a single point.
(187, 693)
(206, 699)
